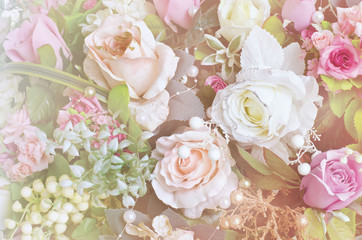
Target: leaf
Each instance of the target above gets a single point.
(202, 51)
(339, 101)
(59, 20)
(184, 64)
(118, 101)
(314, 228)
(155, 24)
(340, 230)
(258, 166)
(334, 85)
(213, 42)
(275, 26)
(134, 132)
(358, 125)
(326, 25)
(279, 166)
(349, 114)
(267, 182)
(87, 230)
(206, 95)
(15, 189)
(47, 55)
(209, 60)
(235, 45)
(59, 167)
(357, 82)
(40, 104)
(176, 220)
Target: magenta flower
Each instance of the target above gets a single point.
(215, 82)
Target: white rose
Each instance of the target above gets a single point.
(239, 17)
(269, 102)
(5, 197)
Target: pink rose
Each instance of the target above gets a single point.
(32, 151)
(23, 42)
(88, 105)
(176, 11)
(340, 60)
(333, 185)
(299, 11)
(215, 82)
(196, 182)
(20, 171)
(349, 20)
(322, 39)
(16, 125)
(89, 4)
(7, 161)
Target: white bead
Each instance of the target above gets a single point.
(192, 11)
(193, 71)
(304, 169)
(344, 160)
(129, 216)
(26, 192)
(89, 92)
(183, 152)
(318, 17)
(26, 228)
(297, 141)
(196, 122)
(224, 203)
(214, 154)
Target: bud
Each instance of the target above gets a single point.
(26, 228)
(64, 177)
(35, 218)
(77, 217)
(60, 228)
(38, 186)
(50, 179)
(52, 187)
(10, 224)
(53, 216)
(26, 192)
(17, 207)
(68, 207)
(45, 204)
(63, 217)
(68, 192)
(82, 206)
(26, 237)
(77, 198)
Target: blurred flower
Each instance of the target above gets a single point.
(137, 9)
(349, 20)
(299, 11)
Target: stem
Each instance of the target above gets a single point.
(26, 210)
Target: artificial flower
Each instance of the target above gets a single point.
(322, 39)
(300, 12)
(22, 43)
(239, 17)
(215, 82)
(349, 20)
(333, 184)
(196, 182)
(138, 9)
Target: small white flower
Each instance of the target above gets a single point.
(162, 225)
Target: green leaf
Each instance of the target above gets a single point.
(339, 101)
(209, 60)
(206, 95)
(334, 84)
(47, 55)
(202, 51)
(59, 167)
(87, 230)
(235, 45)
(15, 189)
(275, 27)
(134, 132)
(355, 42)
(267, 182)
(155, 24)
(59, 20)
(118, 101)
(357, 82)
(257, 165)
(279, 166)
(314, 228)
(213, 42)
(326, 25)
(351, 110)
(40, 104)
(340, 230)
(357, 120)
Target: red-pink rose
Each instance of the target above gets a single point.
(333, 185)
(299, 11)
(340, 60)
(22, 43)
(215, 82)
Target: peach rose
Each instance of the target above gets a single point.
(123, 50)
(322, 39)
(196, 182)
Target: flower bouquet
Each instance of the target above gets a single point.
(169, 119)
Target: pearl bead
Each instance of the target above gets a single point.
(89, 92)
(214, 154)
(235, 221)
(303, 220)
(193, 71)
(359, 159)
(183, 152)
(237, 197)
(318, 17)
(245, 183)
(224, 223)
(344, 160)
(129, 216)
(196, 122)
(304, 169)
(297, 141)
(224, 203)
(192, 11)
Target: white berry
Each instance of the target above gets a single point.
(129, 216)
(60, 228)
(304, 169)
(196, 122)
(26, 228)
(214, 154)
(26, 192)
(183, 152)
(297, 141)
(17, 207)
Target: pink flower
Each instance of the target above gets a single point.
(299, 11)
(215, 82)
(89, 4)
(312, 66)
(349, 20)
(322, 39)
(196, 182)
(88, 105)
(23, 42)
(333, 185)
(20, 171)
(32, 151)
(176, 11)
(308, 32)
(340, 60)
(64, 117)
(16, 125)
(7, 162)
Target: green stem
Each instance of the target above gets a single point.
(26, 210)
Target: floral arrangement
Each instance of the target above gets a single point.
(167, 119)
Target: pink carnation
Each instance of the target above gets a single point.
(84, 104)
(20, 171)
(349, 20)
(16, 125)
(215, 82)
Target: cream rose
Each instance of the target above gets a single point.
(124, 50)
(196, 182)
(270, 102)
(239, 17)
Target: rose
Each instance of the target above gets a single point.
(116, 50)
(299, 11)
(331, 184)
(20, 171)
(22, 43)
(340, 60)
(5, 199)
(349, 20)
(322, 39)
(176, 11)
(215, 82)
(239, 17)
(196, 182)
